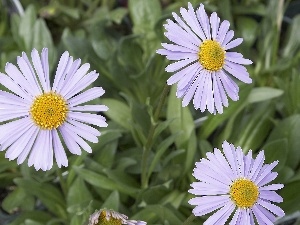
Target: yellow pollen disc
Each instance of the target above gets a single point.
(244, 193)
(49, 110)
(211, 55)
(111, 221)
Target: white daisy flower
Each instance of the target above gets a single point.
(234, 183)
(36, 116)
(204, 68)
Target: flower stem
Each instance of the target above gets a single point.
(189, 220)
(62, 182)
(149, 141)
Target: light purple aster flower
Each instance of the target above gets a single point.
(36, 115)
(235, 183)
(204, 67)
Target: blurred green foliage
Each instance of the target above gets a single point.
(119, 40)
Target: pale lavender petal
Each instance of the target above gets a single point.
(12, 86)
(61, 69)
(271, 187)
(75, 78)
(182, 73)
(45, 66)
(19, 79)
(12, 99)
(267, 179)
(217, 94)
(59, 152)
(241, 61)
(271, 207)
(204, 21)
(88, 118)
(270, 196)
(228, 37)
(221, 216)
(235, 218)
(260, 217)
(265, 172)
(269, 215)
(28, 147)
(257, 165)
(86, 96)
(70, 142)
(214, 23)
(191, 20)
(82, 84)
(234, 43)
(89, 108)
(36, 60)
(224, 27)
(180, 64)
(199, 91)
(208, 204)
(238, 72)
(28, 72)
(85, 127)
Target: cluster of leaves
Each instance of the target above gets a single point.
(119, 40)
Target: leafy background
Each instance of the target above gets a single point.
(119, 40)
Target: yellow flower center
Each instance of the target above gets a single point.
(49, 110)
(111, 221)
(244, 193)
(211, 55)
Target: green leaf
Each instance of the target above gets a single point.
(144, 14)
(153, 212)
(290, 194)
(26, 27)
(260, 94)
(78, 193)
(257, 128)
(112, 201)
(276, 150)
(161, 149)
(99, 180)
(39, 216)
(293, 43)
(248, 28)
(118, 112)
(49, 195)
(289, 128)
(118, 14)
(182, 120)
(18, 198)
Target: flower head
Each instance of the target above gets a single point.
(110, 217)
(204, 67)
(35, 115)
(235, 183)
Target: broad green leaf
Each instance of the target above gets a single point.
(256, 129)
(112, 201)
(248, 29)
(260, 94)
(290, 194)
(182, 120)
(144, 14)
(18, 199)
(160, 150)
(289, 128)
(33, 215)
(26, 27)
(152, 212)
(99, 180)
(276, 150)
(78, 193)
(293, 43)
(118, 112)
(49, 195)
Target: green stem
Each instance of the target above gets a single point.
(189, 220)
(62, 182)
(148, 144)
